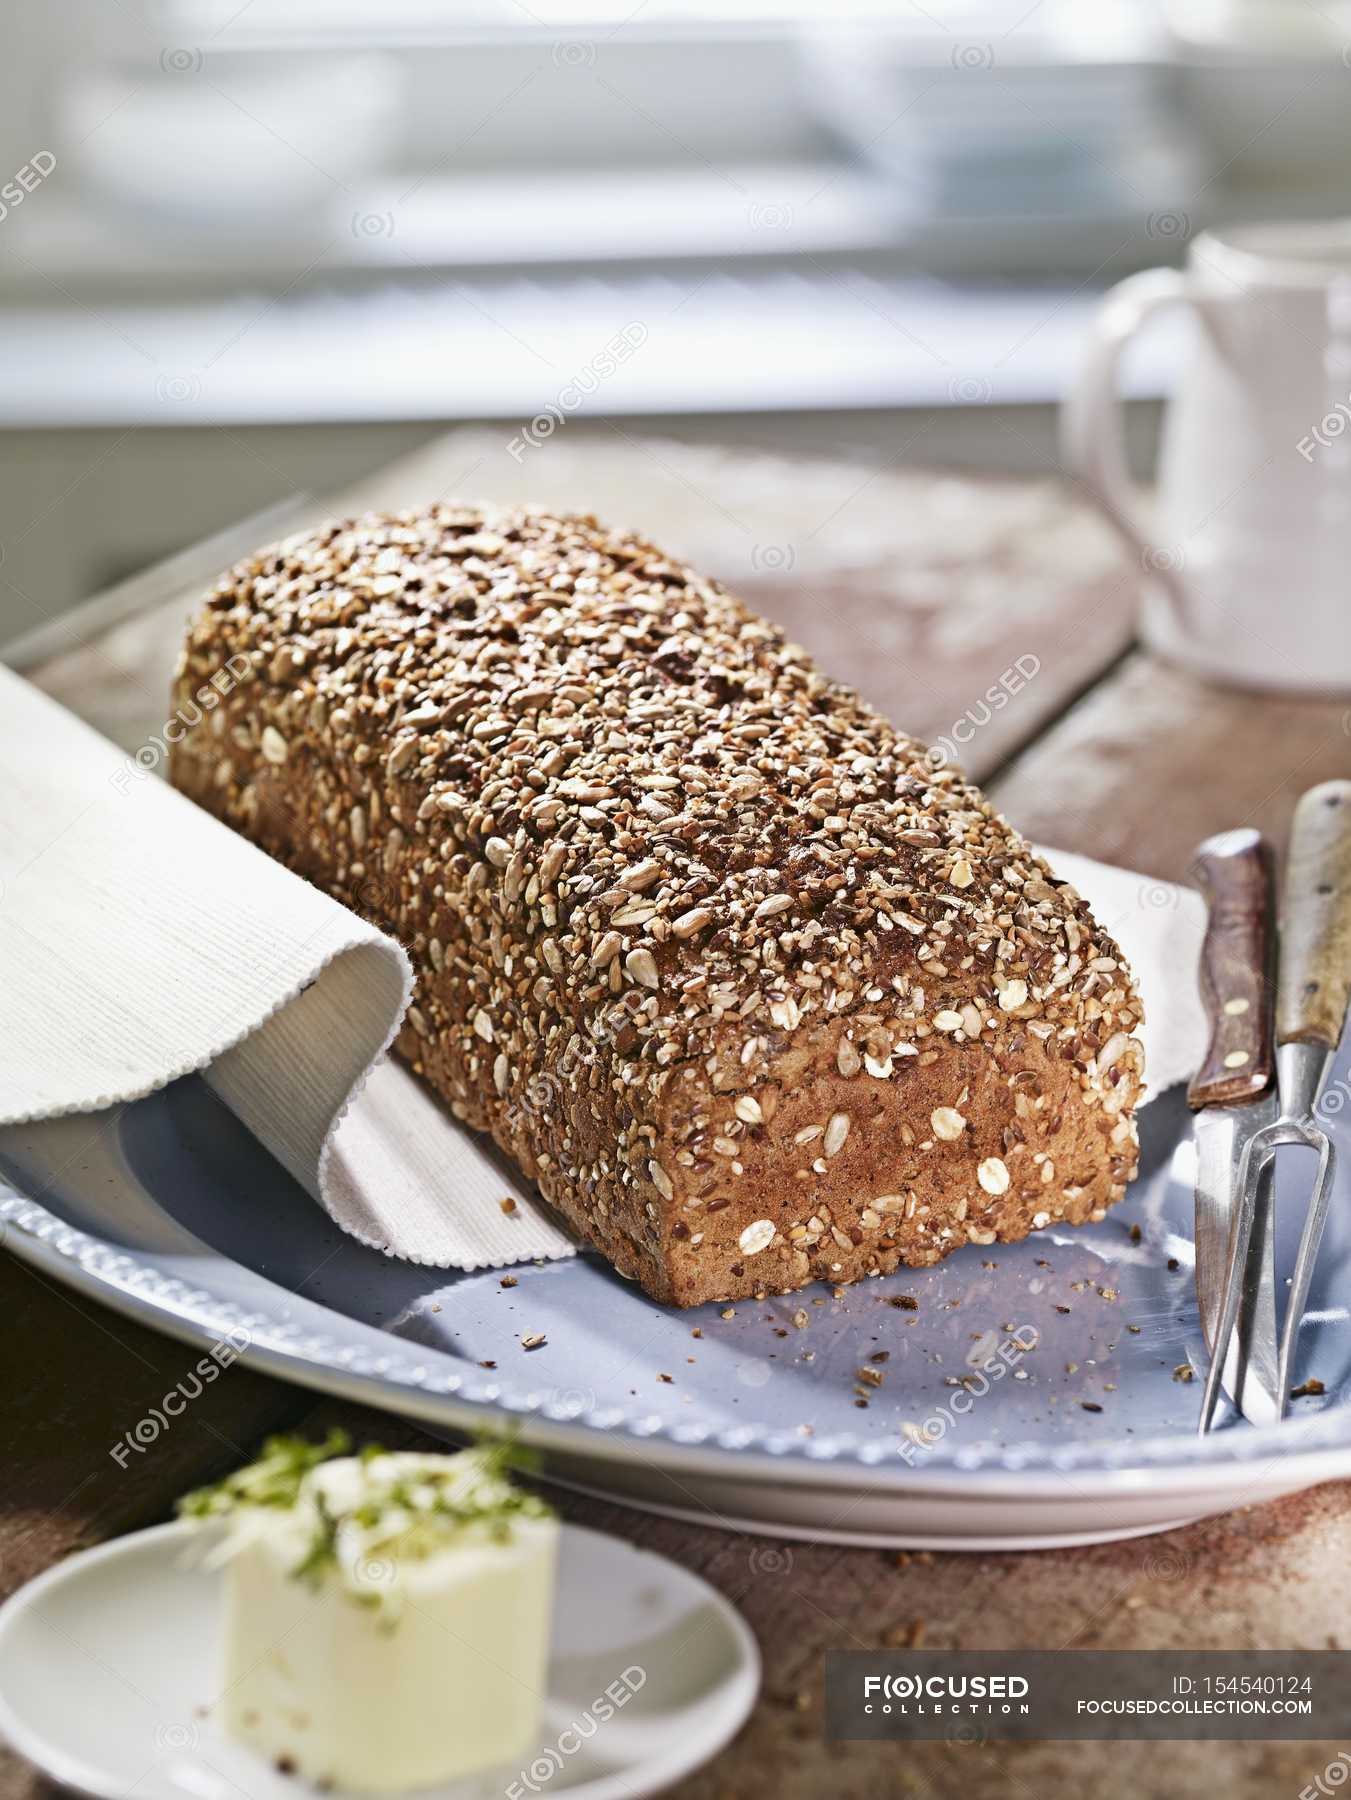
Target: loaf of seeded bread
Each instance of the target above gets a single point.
(754, 991)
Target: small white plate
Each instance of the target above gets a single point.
(107, 1674)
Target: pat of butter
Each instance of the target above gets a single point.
(412, 1651)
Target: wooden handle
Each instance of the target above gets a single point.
(1316, 920)
(1235, 873)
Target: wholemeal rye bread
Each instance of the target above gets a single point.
(752, 990)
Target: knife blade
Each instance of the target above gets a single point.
(1233, 1095)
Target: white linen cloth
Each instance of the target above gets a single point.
(141, 940)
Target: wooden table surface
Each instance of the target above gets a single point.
(924, 590)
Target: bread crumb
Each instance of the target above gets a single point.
(905, 1637)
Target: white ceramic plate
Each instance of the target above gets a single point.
(107, 1674)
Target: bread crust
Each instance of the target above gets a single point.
(753, 988)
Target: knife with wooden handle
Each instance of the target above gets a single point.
(1234, 1096)
(1311, 1007)
(1316, 921)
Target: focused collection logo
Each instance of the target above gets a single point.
(987, 1696)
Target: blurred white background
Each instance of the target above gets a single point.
(253, 249)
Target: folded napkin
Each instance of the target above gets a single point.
(141, 940)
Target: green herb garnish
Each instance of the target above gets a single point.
(395, 1517)
(274, 1480)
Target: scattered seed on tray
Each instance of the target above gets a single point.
(507, 1281)
(507, 1204)
(1184, 1372)
(1308, 1388)
(533, 1340)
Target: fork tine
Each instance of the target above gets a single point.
(1240, 1238)
(1310, 1239)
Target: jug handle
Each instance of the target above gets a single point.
(1091, 437)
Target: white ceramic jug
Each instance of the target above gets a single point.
(1248, 555)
